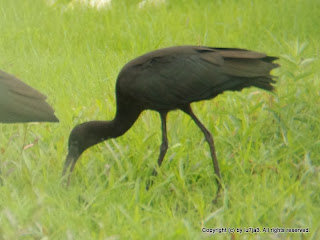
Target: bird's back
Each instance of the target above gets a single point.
(173, 77)
(22, 103)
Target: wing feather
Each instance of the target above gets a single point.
(21, 103)
(172, 77)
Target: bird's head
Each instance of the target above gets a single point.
(81, 137)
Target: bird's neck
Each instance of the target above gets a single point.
(122, 122)
(98, 131)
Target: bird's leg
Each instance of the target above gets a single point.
(164, 144)
(210, 141)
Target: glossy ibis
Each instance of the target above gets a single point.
(21, 103)
(168, 79)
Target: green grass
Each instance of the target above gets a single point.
(268, 145)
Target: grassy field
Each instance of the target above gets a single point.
(268, 145)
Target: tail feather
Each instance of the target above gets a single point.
(247, 72)
(249, 68)
(264, 83)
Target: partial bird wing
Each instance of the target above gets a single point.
(173, 77)
(22, 103)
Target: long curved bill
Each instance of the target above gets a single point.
(69, 164)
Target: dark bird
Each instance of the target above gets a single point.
(21, 103)
(168, 79)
